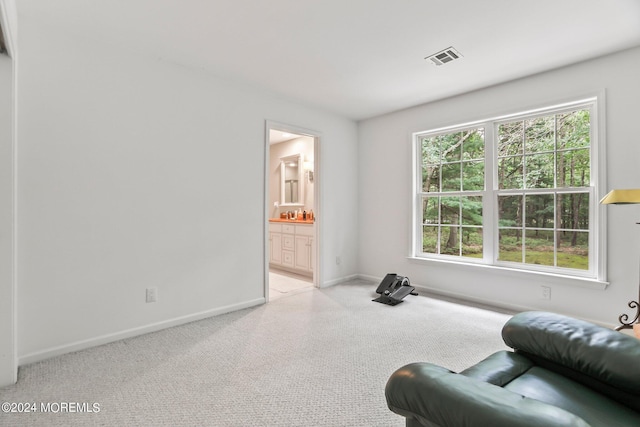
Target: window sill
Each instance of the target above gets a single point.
(549, 278)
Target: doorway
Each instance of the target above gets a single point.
(292, 208)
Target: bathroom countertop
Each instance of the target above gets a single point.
(291, 221)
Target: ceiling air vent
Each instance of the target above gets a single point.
(444, 56)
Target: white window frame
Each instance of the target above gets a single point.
(597, 214)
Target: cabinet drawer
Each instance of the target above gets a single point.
(287, 258)
(288, 228)
(275, 228)
(288, 242)
(304, 230)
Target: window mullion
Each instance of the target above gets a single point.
(489, 197)
(419, 199)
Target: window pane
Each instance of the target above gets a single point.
(430, 178)
(451, 177)
(574, 211)
(539, 211)
(510, 139)
(573, 249)
(539, 247)
(539, 134)
(510, 211)
(574, 168)
(574, 129)
(430, 151)
(471, 210)
(510, 248)
(510, 173)
(442, 166)
(472, 242)
(430, 210)
(451, 146)
(540, 171)
(473, 144)
(450, 240)
(473, 176)
(449, 210)
(430, 239)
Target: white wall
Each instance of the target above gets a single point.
(385, 189)
(123, 172)
(8, 371)
(7, 368)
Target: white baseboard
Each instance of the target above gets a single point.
(490, 304)
(108, 338)
(370, 278)
(421, 289)
(339, 280)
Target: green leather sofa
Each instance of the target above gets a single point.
(561, 372)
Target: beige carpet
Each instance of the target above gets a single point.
(316, 358)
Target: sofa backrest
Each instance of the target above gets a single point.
(598, 357)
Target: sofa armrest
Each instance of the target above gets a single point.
(499, 369)
(436, 396)
(600, 353)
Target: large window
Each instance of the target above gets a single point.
(516, 191)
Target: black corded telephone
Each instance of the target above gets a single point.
(393, 289)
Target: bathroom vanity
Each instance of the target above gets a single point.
(291, 245)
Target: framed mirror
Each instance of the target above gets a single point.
(291, 180)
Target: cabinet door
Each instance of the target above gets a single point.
(275, 248)
(312, 255)
(303, 253)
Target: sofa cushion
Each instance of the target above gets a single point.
(499, 369)
(596, 409)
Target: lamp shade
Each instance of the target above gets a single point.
(622, 197)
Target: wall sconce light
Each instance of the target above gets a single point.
(308, 170)
(626, 197)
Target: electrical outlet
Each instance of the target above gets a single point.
(152, 294)
(546, 292)
(338, 260)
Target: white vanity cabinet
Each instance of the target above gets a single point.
(275, 244)
(291, 247)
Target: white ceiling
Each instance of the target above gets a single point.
(278, 136)
(358, 58)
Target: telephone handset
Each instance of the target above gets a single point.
(393, 289)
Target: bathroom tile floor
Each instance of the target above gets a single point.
(282, 284)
